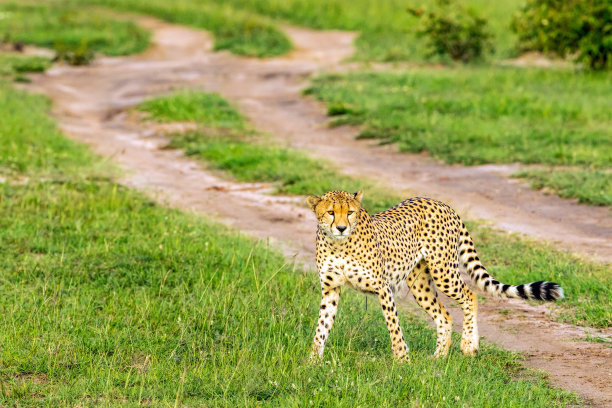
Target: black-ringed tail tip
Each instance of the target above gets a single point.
(540, 290)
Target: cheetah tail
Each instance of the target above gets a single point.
(540, 290)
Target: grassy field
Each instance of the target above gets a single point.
(248, 156)
(226, 142)
(14, 65)
(487, 115)
(588, 186)
(111, 300)
(387, 30)
(239, 31)
(62, 27)
(493, 114)
(475, 116)
(27, 146)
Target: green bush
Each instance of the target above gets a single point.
(578, 28)
(454, 30)
(71, 54)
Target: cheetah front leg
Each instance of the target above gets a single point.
(398, 344)
(327, 314)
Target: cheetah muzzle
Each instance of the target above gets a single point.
(420, 242)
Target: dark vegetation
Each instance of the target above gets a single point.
(581, 29)
(454, 31)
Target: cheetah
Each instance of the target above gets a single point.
(420, 242)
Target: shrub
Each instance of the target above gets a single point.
(454, 30)
(578, 28)
(80, 54)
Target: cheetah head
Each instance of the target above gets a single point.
(337, 212)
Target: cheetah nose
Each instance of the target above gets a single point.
(341, 228)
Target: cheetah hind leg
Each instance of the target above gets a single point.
(469, 304)
(469, 336)
(424, 291)
(451, 284)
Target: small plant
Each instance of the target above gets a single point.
(14, 65)
(578, 28)
(454, 31)
(79, 55)
(30, 63)
(337, 109)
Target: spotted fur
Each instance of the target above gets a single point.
(420, 242)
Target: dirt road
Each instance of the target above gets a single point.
(269, 92)
(90, 104)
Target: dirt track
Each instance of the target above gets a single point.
(90, 104)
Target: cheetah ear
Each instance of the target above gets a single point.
(312, 201)
(358, 196)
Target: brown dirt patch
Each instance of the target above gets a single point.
(89, 103)
(536, 59)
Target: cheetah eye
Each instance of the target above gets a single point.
(350, 212)
(330, 212)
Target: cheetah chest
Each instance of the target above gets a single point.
(341, 270)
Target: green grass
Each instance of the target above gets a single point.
(588, 186)
(607, 340)
(248, 156)
(492, 115)
(14, 65)
(111, 300)
(250, 27)
(208, 109)
(487, 115)
(62, 27)
(236, 30)
(226, 142)
(31, 144)
(475, 116)
(117, 302)
(387, 30)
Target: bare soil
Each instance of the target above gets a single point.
(91, 105)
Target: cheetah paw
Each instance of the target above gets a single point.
(468, 347)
